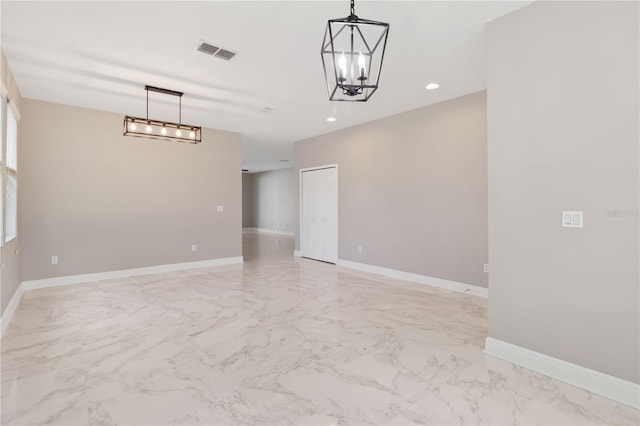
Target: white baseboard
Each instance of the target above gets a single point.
(611, 387)
(268, 231)
(11, 308)
(422, 279)
(77, 279)
(297, 253)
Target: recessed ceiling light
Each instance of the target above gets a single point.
(331, 119)
(267, 109)
(432, 86)
(285, 161)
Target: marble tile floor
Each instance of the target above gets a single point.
(275, 341)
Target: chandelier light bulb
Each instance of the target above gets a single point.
(361, 60)
(361, 65)
(342, 64)
(192, 134)
(148, 129)
(133, 126)
(178, 132)
(163, 130)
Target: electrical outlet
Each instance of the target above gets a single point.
(194, 247)
(359, 249)
(220, 209)
(54, 260)
(486, 267)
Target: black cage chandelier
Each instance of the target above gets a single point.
(352, 54)
(154, 129)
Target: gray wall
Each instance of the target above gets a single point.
(10, 270)
(412, 189)
(563, 135)
(272, 204)
(247, 200)
(103, 202)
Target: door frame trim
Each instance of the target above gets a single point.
(310, 169)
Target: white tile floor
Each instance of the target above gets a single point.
(277, 340)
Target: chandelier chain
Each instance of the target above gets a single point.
(353, 7)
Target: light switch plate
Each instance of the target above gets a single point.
(220, 209)
(572, 219)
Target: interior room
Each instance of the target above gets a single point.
(320, 212)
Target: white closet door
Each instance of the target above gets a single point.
(319, 236)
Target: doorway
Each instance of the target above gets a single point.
(319, 213)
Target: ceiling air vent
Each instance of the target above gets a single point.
(218, 52)
(207, 48)
(225, 54)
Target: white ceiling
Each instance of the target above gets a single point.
(101, 54)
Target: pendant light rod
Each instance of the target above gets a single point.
(165, 91)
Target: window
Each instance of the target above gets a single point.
(1, 171)
(11, 176)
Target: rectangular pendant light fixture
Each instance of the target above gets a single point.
(165, 130)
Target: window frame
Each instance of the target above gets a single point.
(9, 174)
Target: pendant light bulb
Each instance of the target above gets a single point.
(361, 60)
(163, 130)
(342, 64)
(148, 128)
(192, 134)
(178, 132)
(133, 126)
(361, 66)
